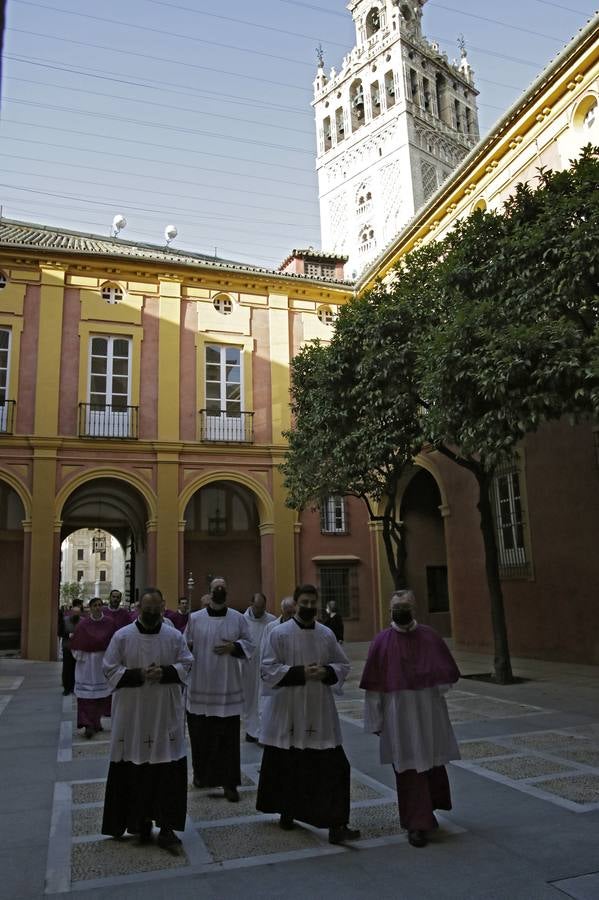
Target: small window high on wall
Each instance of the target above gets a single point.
(390, 88)
(333, 515)
(373, 22)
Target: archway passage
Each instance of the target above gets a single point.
(12, 515)
(113, 506)
(426, 557)
(92, 564)
(222, 537)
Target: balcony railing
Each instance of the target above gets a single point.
(226, 428)
(107, 421)
(7, 416)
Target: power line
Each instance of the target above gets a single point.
(241, 22)
(131, 187)
(132, 205)
(191, 150)
(559, 6)
(183, 37)
(470, 15)
(17, 204)
(159, 162)
(155, 59)
(163, 86)
(186, 109)
(170, 128)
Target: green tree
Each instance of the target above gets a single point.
(478, 340)
(71, 590)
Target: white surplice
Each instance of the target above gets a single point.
(90, 681)
(147, 721)
(250, 671)
(414, 726)
(215, 687)
(301, 716)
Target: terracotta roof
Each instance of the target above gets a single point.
(27, 235)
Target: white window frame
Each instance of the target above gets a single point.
(224, 426)
(326, 315)
(333, 515)
(4, 392)
(509, 520)
(223, 304)
(106, 421)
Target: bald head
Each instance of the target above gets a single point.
(288, 607)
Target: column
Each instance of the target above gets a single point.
(284, 534)
(43, 570)
(267, 566)
(279, 365)
(167, 533)
(169, 329)
(47, 384)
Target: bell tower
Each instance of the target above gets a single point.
(391, 125)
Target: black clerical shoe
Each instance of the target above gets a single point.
(286, 823)
(145, 832)
(231, 794)
(339, 834)
(89, 732)
(250, 738)
(168, 840)
(417, 838)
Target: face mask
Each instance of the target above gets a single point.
(401, 616)
(306, 614)
(150, 619)
(219, 595)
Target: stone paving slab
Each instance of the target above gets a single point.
(482, 749)
(256, 839)
(107, 857)
(576, 788)
(523, 766)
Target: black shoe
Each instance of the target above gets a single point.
(231, 794)
(168, 840)
(339, 834)
(89, 732)
(145, 832)
(417, 838)
(66, 692)
(286, 823)
(251, 739)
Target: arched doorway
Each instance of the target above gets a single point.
(113, 506)
(92, 564)
(12, 515)
(426, 556)
(222, 537)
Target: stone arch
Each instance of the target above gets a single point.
(264, 501)
(420, 461)
(105, 472)
(20, 489)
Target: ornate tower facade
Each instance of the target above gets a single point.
(391, 125)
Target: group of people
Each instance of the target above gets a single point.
(281, 675)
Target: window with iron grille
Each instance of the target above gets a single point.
(325, 315)
(319, 270)
(333, 516)
(112, 293)
(340, 583)
(102, 574)
(80, 554)
(509, 521)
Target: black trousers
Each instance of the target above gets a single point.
(215, 750)
(68, 670)
(145, 793)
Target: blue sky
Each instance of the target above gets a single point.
(198, 113)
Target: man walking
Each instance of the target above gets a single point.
(408, 669)
(304, 774)
(258, 620)
(218, 637)
(119, 615)
(90, 639)
(146, 664)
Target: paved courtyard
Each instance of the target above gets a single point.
(525, 822)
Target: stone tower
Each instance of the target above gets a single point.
(391, 125)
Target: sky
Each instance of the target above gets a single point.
(197, 113)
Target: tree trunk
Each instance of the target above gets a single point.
(396, 558)
(503, 665)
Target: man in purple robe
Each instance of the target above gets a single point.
(119, 615)
(90, 639)
(180, 615)
(408, 671)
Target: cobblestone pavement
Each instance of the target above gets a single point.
(524, 825)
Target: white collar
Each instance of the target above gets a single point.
(409, 627)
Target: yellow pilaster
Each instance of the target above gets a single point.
(279, 365)
(284, 535)
(42, 576)
(167, 525)
(48, 350)
(168, 359)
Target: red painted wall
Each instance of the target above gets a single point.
(69, 364)
(28, 361)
